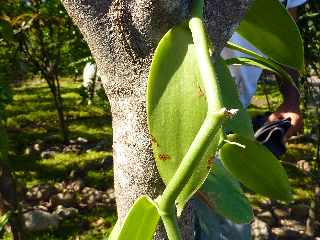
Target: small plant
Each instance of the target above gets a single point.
(4, 220)
(192, 105)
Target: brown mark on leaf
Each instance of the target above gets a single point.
(164, 157)
(154, 141)
(205, 199)
(200, 92)
(210, 162)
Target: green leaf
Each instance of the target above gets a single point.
(241, 123)
(268, 26)
(140, 223)
(256, 167)
(263, 64)
(224, 195)
(259, 61)
(250, 62)
(176, 107)
(115, 231)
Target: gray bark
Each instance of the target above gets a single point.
(122, 35)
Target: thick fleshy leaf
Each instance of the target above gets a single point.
(256, 167)
(249, 62)
(266, 64)
(259, 61)
(140, 223)
(176, 107)
(269, 27)
(114, 235)
(241, 123)
(223, 194)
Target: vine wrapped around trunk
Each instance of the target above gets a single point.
(122, 36)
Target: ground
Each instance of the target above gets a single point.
(47, 170)
(40, 159)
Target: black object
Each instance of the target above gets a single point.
(271, 134)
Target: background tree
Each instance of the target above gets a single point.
(8, 63)
(309, 24)
(47, 41)
(122, 36)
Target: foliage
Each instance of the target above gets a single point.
(145, 212)
(44, 36)
(309, 25)
(168, 108)
(281, 38)
(222, 192)
(248, 168)
(46, 27)
(7, 64)
(185, 131)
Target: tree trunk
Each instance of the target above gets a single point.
(62, 122)
(122, 36)
(53, 83)
(9, 201)
(60, 109)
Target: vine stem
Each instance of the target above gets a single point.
(209, 128)
(202, 46)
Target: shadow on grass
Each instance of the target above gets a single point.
(32, 121)
(37, 170)
(42, 88)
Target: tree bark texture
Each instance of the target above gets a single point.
(122, 36)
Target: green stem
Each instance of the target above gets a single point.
(197, 8)
(170, 223)
(208, 130)
(207, 71)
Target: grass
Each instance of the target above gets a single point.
(32, 122)
(32, 119)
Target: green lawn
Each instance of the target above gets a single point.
(32, 124)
